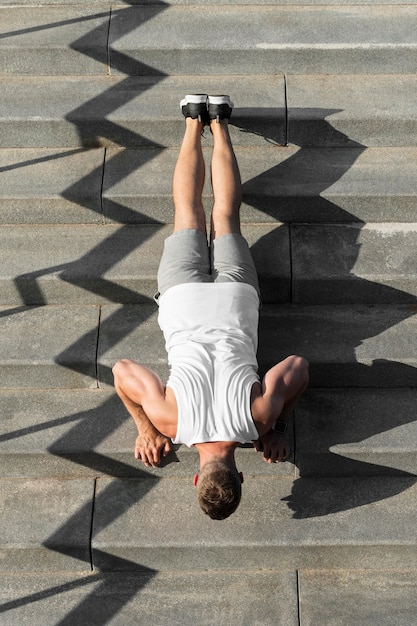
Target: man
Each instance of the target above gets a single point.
(208, 311)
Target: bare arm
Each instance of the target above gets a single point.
(281, 389)
(143, 395)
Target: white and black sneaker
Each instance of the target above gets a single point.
(195, 106)
(219, 107)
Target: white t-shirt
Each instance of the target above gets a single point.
(211, 335)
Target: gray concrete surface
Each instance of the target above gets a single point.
(344, 111)
(90, 264)
(48, 347)
(54, 40)
(369, 598)
(310, 523)
(263, 598)
(51, 186)
(266, 39)
(279, 183)
(45, 524)
(371, 263)
(87, 433)
(330, 78)
(182, 598)
(347, 346)
(356, 432)
(91, 111)
(203, 3)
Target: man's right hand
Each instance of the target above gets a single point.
(150, 445)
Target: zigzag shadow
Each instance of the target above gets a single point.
(31, 293)
(115, 133)
(316, 175)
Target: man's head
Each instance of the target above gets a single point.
(219, 489)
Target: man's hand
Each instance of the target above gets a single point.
(149, 446)
(274, 445)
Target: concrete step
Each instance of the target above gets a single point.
(322, 110)
(314, 264)
(48, 433)
(351, 110)
(188, 598)
(348, 432)
(354, 263)
(286, 184)
(268, 39)
(339, 597)
(90, 264)
(54, 40)
(76, 346)
(74, 111)
(307, 523)
(310, 523)
(201, 3)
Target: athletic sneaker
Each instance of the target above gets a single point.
(219, 107)
(195, 106)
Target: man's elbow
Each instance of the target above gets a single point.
(120, 369)
(301, 366)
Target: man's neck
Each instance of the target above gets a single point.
(220, 450)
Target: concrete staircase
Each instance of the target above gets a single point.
(325, 129)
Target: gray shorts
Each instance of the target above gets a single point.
(187, 258)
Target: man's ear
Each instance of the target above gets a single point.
(195, 481)
(241, 477)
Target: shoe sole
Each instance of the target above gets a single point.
(195, 106)
(198, 98)
(219, 107)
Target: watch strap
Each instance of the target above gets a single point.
(280, 427)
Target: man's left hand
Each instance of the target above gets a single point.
(274, 445)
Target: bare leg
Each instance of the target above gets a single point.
(188, 180)
(226, 182)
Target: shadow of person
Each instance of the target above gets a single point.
(338, 341)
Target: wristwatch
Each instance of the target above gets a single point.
(280, 427)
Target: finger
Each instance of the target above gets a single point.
(267, 453)
(273, 455)
(156, 456)
(284, 453)
(167, 449)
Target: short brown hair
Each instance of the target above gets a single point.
(219, 489)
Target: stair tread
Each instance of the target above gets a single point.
(144, 39)
(314, 185)
(45, 111)
(129, 531)
(355, 345)
(92, 264)
(88, 433)
(332, 111)
(288, 526)
(190, 597)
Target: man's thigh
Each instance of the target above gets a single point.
(185, 259)
(231, 260)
